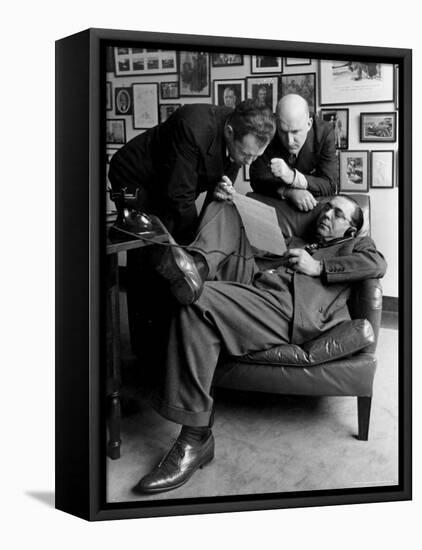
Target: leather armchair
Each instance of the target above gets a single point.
(340, 362)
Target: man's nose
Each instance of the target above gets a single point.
(291, 139)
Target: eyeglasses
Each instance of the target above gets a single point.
(338, 212)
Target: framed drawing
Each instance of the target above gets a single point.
(226, 59)
(382, 169)
(123, 101)
(169, 90)
(344, 82)
(263, 90)
(354, 171)
(266, 64)
(378, 127)
(167, 109)
(296, 62)
(229, 93)
(339, 118)
(194, 75)
(145, 105)
(143, 61)
(106, 462)
(301, 84)
(115, 131)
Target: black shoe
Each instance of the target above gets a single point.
(177, 467)
(179, 268)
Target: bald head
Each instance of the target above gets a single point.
(293, 121)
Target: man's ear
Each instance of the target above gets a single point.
(310, 122)
(228, 132)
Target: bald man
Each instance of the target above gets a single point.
(300, 163)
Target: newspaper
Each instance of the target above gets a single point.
(261, 225)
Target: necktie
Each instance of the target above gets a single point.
(291, 161)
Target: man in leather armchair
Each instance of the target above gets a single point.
(232, 302)
(300, 162)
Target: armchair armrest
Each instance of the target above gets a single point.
(345, 339)
(366, 303)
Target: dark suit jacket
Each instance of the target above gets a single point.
(316, 161)
(320, 303)
(173, 163)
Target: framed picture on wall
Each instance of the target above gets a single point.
(106, 460)
(109, 98)
(263, 90)
(382, 169)
(378, 127)
(167, 109)
(143, 61)
(302, 84)
(296, 62)
(169, 90)
(355, 82)
(123, 101)
(266, 64)
(225, 59)
(194, 74)
(229, 92)
(354, 171)
(339, 119)
(115, 131)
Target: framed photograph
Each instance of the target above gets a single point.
(109, 98)
(378, 127)
(266, 64)
(142, 61)
(167, 109)
(115, 131)
(296, 62)
(194, 75)
(145, 105)
(273, 419)
(228, 92)
(263, 90)
(344, 82)
(123, 101)
(354, 171)
(169, 90)
(339, 118)
(382, 169)
(302, 84)
(225, 59)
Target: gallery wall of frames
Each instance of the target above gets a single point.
(145, 86)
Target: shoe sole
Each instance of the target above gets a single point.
(181, 280)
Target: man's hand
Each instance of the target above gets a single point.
(302, 199)
(280, 170)
(224, 190)
(301, 261)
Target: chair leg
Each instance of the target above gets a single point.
(364, 413)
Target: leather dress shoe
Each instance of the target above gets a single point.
(179, 268)
(177, 467)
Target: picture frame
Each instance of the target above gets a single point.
(145, 105)
(263, 89)
(109, 96)
(115, 131)
(82, 410)
(347, 82)
(339, 118)
(265, 64)
(302, 84)
(169, 90)
(354, 171)
(296, 62)
(123, 101)
(229, 92)
(226, 59)
(167, 109)
(378, 127)
(194, 75)
(132, 61)
(382, 169)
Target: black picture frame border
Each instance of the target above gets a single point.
(217, 81)
(123, 121)
(362, 116)
(80, 130)
(269, 72)
(288, 75)
(328, 109)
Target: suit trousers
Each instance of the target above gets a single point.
(230, 317)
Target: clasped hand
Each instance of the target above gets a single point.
(302, 261)
(280, 170)
(224, 190)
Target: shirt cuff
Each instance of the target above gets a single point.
(299, 181)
